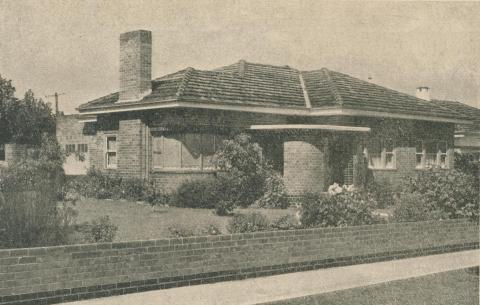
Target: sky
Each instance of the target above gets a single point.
(72, 47)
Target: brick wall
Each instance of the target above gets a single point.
(304, 164)
(65, 273)
(130, 148)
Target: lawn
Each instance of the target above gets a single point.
(138, 221)
(459, 287)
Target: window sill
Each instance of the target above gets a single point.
(183, 171)
(382, 169)
(431, 168)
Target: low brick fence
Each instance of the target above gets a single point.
(67, 273)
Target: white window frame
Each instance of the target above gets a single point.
(68, 151)
(82, 145)
(438, 158)
(109, 151)
(383, 155)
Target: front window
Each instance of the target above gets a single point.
(431, 154)
(70, 148)
(83, 148)
(381, 154)
(111, 152)
(192, 151)
(2, 152)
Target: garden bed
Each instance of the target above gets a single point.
(140, 221)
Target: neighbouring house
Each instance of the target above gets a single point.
(467, 137)
(314, 126)
(75, 135)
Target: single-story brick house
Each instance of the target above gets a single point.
(312, 125)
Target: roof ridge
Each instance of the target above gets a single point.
(332, 87)
(186, 77)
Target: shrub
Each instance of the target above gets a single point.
(382, 192)
(274, 192)
(415, 207)
(103, 186)
(198, 193)
(29, 190)
(243, 160)
(179, 230)
(465, 163)
(452, 193)
(341, 207)
(101, 230)
(287, 222)
(252, 222)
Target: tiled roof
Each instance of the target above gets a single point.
(279, 86)
(473, 113)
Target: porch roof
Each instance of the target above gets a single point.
(310, 127)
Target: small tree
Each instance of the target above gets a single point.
(28, 202)
(247, 176)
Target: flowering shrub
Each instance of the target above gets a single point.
(341, 206)
(274, 192)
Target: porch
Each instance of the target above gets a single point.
(312, 157)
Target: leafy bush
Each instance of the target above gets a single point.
(450, 193)
(382, 192)
(274, 192)
(252, 222)
(340, 207)
(101, 230)
(198, 193)
(415, 207)
(179, 230)
(465, 163)
(287, 222)
(29, 190)
(104, 186)
(243, 160)
(247, 177)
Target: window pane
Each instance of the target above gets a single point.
(442, 147)
(419, 160)
(418, 147)
(208, 149)
(111, 159)
(70, 148)
(389, 161)
(171, 151)
(375, 160)
(111, 143)
(431, 160)
(443, 161)
(157, 151)
(2, 152)
(191, 151)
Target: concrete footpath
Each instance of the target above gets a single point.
(293, 285)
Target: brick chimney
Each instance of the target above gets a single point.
(423, 93)
(135, 65)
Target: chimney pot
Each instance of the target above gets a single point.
(135, 65)
(423, 93)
